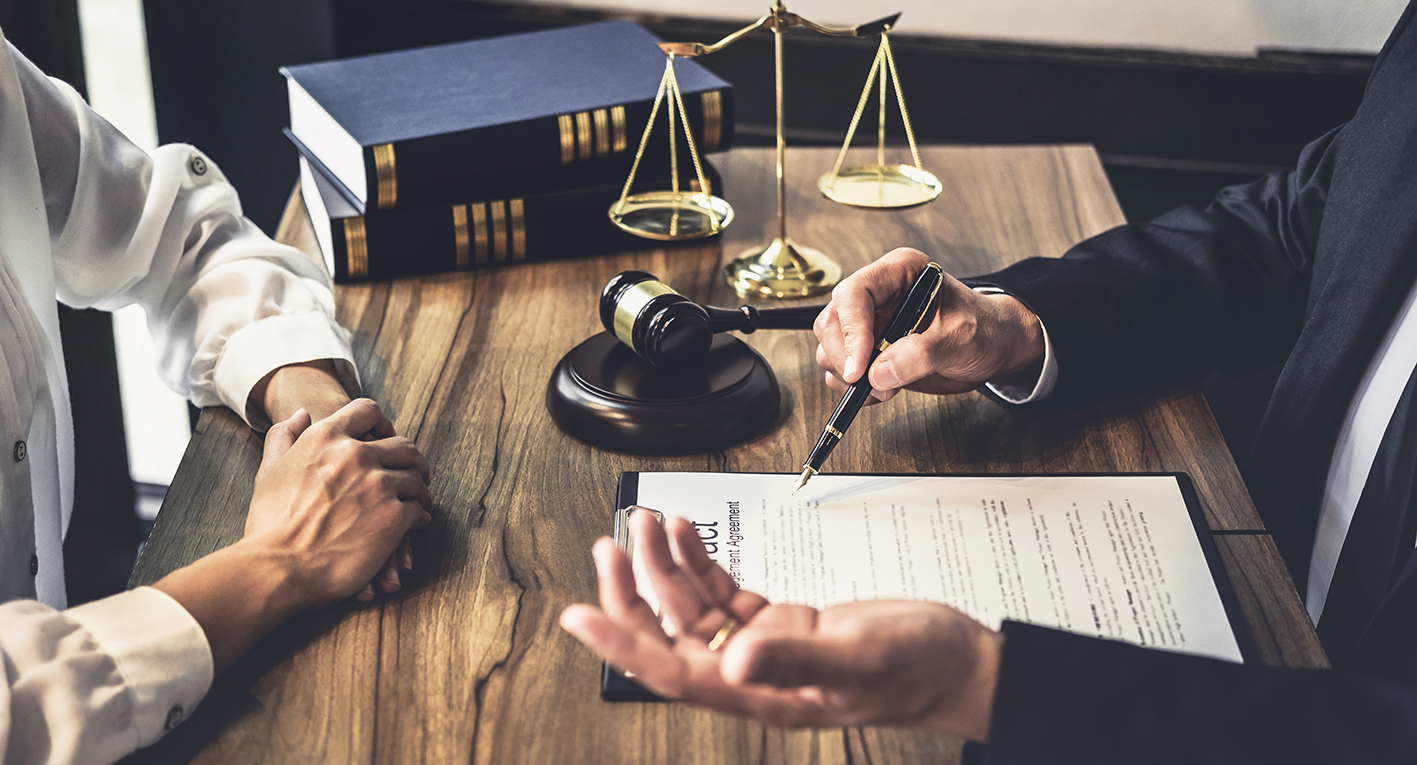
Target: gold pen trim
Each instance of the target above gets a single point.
(518, 230)
(568, 139)
(884, 344)
(479, 232)
(835, 432)
(460, 239)
(386, 174)
(356, 246)
(934, 292)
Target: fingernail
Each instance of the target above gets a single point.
(365, 595)
(848, 370)
(407, 559)
(391, 580)
(885, 377)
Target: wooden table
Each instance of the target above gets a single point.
(468, 664)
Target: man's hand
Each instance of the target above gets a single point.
(327, 511)
(970, 338)
(877, 662)
(330, 492)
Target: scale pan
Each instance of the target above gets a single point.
(669, 216)
(881, 186)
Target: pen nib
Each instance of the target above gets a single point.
(807, 473)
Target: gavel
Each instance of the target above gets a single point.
(667, 329)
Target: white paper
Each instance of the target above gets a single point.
(1113, 556)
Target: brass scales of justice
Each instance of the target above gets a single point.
(782, 268)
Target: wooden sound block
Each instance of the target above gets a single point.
(604, 394)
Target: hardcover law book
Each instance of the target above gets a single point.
(387, 244)
(506, 115)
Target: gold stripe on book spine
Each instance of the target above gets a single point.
(602, 132)
(617, 122)
(568, 139)
(584, 139)
(387, 175)
(499, 231)
(460, 239)
(479, 232)
(356, 248)
(518, 230)
(713, 119)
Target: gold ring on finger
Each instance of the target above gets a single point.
(730, 626)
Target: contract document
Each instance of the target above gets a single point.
(1117, 556)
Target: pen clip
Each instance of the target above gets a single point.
(925, 310)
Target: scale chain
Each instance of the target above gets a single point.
(644, 139)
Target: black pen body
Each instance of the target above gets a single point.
(851, 403)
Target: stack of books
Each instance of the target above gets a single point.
(490, 152)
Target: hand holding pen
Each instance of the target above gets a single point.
(965, 339)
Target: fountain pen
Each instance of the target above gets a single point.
(907, 318)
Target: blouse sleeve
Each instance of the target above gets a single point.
(95, 682)
(225, 304)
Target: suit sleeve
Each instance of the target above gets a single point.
(1067, 698)
(1194, 291)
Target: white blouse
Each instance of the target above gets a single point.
(87, 217)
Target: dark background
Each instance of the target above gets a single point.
(1172, 128)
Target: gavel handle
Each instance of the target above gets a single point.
(748, 319)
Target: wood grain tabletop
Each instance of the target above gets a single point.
(468, 664)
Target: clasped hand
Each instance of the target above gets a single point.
(877, 662)
(337, 497)
(969, 338)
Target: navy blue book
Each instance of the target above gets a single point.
(569, 222)
(502, 116)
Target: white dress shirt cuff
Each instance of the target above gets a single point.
(160, 650)
(1043, 387)
(258, 349)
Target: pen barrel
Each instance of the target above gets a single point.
(840, 420)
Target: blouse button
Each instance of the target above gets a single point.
(34, 565)
(198, 166)
(20, 451)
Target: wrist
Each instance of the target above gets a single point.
(1022, 337)
(313, 386)
(237, 594)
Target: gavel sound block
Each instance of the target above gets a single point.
(663, 380)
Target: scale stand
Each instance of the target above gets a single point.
(880, 185)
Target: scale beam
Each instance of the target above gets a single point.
(781, 268)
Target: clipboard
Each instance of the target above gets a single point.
(614, 686)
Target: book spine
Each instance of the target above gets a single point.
(478, 235)
(524, 157)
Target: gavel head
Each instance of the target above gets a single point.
(663, 327)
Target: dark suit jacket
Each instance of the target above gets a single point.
(1308, 267)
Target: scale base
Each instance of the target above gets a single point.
(783, 270)
(670, 216)
(605, 395)
(880, 186)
